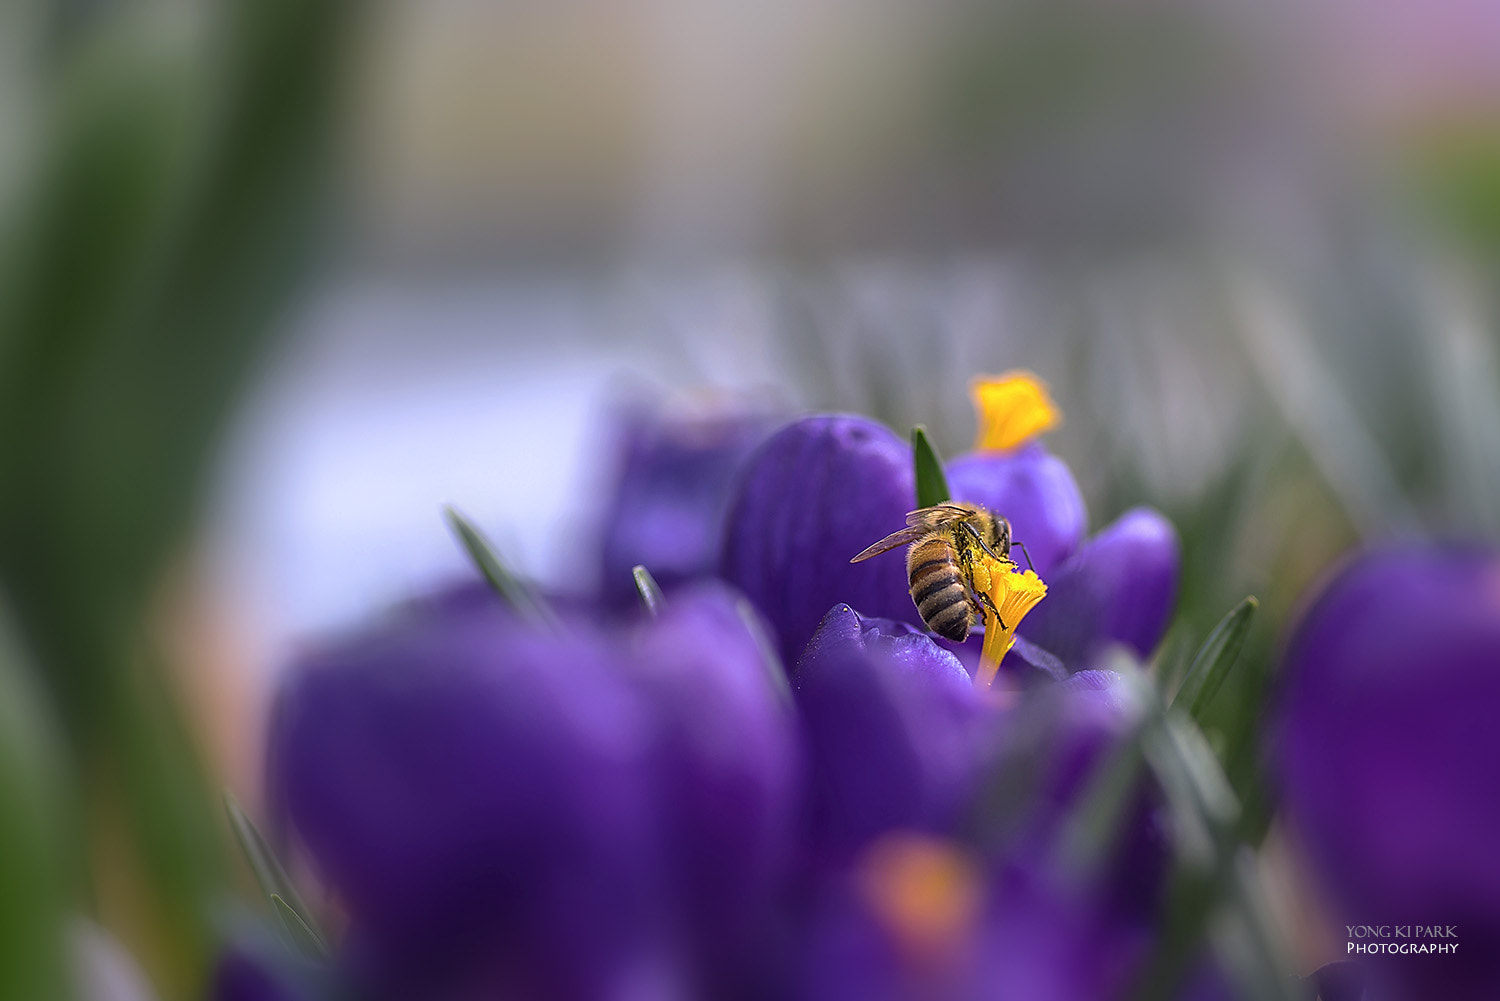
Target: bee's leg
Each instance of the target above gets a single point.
(984, 545)
(984, 600)
(1029, 566)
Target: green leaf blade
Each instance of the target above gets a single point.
(303, 938)
(269, 872)
(932, 485)
(511, 589)
(1214, 659)
(652, 599)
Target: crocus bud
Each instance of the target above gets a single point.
(473, 792)
(819, 491)
(1385, 743)
(666, 506)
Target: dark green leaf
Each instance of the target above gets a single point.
(646, 587)
(932, 485)
(1212, 663)
(301, 934)
(516, 593)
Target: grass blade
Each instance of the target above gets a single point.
(932, 485)
(1215, 658)
(306, 941)
(645, 586)
(517, 594)
(269, 873)
(1214, 872)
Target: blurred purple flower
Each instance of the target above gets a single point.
(820, 490)
(242, 976)
(1032, 488)
(934, 915)
(1058, 927)
(1120, 587)
(666, 506)
(545, 815)
(894, 731)
(469, 787)
(651, 810)
(726, 772)
(1386, 748)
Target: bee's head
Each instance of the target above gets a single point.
(1000, 536)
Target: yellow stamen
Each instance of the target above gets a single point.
(925, 890)
(1013, 408)
(1014, 593)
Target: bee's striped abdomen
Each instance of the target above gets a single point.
(937, 587)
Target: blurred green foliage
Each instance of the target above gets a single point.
(166, 203)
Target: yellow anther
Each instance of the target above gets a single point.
(1012, 408)
(1014, 593)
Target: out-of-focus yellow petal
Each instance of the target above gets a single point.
(1012, 409)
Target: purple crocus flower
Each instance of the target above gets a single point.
(470, 788)
(726, 773)
(827, 485)
(1386, 748)
(502, 810)
(653, 809)
(815, 494)
(894, 731)
(1119, 588)
(666, 507)
(1071, 729)
(974, 913)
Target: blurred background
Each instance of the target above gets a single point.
(278, 279)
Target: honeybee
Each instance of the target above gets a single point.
(940, 563)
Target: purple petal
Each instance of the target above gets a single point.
(725, 764)
(1035, 491)
(667, 505)
(472, 792)
(1062, 736)
(1119, 588)
(890, 722)
(1386, 748)
(819, 491)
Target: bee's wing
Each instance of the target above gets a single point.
(907, 535)
(937, 516)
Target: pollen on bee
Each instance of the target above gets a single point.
(979, 573)
(1012, 409)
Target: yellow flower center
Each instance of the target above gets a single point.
(1014, 593)
(1013, 408)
